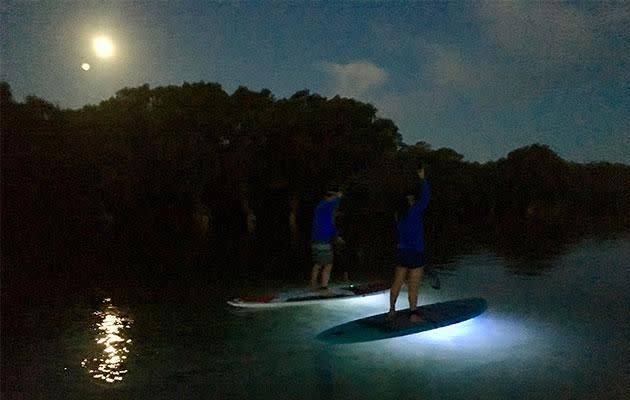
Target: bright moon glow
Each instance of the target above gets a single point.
(103, 47)
(85, 66)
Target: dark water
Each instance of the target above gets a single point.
(556, 327)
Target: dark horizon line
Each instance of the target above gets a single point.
(308, 92)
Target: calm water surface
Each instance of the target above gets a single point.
(559, 333)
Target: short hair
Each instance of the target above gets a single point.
(331, 190)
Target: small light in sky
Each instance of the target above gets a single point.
(103, 47)
(85, 66)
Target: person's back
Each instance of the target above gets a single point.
(324, 229)
(324, 232)
(411, 226)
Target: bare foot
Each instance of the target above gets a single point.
(326, 292)
(415, 317)
(391, 315)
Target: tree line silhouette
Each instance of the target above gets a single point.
(197, 176)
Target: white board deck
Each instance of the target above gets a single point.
(306, 297)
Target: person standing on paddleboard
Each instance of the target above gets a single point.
(323, 234)
(411, 246)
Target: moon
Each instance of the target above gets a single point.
(85, 66)
(103, 46)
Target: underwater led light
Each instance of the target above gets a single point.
(488, 336)
(450, 332)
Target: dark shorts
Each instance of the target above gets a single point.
(322, 253)
(411, 259)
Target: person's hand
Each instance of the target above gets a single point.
(420, 173)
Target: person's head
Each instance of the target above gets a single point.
(420, 168)
(331, 192)
(411, 195)
(405, 200)
(411, 199)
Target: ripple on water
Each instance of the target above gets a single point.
(107, 362)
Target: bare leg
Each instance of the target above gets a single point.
(399, 278)
(415, 278)
(314, 275)
(326, 274)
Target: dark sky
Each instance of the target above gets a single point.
(482, 78)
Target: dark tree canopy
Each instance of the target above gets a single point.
(194, 164)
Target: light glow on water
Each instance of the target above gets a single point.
(107, 364)
(481, 333)
(450, 333)
(488, 336)
(374, 302)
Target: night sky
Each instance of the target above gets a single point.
(480, 78)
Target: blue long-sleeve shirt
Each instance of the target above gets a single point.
(324, 229)
(411, 226)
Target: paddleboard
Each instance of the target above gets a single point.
(378, 327)
(305, 297)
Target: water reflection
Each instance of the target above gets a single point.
(107, 363)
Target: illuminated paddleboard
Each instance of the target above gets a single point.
(379, 326)
(306, 297)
